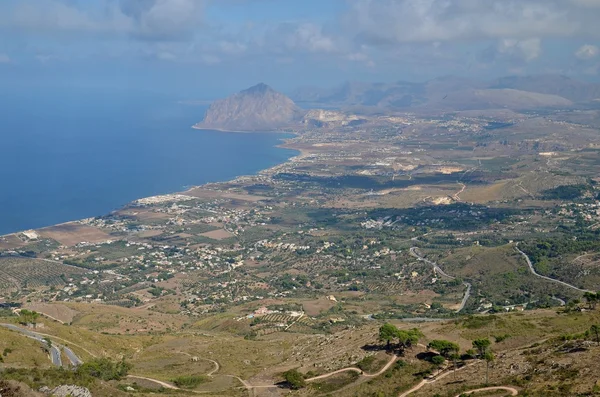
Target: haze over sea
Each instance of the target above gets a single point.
(75, 154)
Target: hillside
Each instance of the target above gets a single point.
(577, 91)
(258, 108)
(456, 93)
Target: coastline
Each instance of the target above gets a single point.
(277, 131)
(189, 188)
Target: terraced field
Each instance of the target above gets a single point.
(18, 273)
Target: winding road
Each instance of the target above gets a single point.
(54, 349)
(393, 359)
(456, 196)
(532, 270)
(413, 251)
(433, 380)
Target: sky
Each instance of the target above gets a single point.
(202, 49)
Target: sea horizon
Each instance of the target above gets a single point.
(73, 157)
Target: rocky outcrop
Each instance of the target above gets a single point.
(259, 108)
(66, 391)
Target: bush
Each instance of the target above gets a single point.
(189, 382)
(105, 369)
(500, 338)
(568, 192)
(294, 378)
(438, 360)
(366, 363)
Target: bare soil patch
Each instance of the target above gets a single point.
(11, 241)
(56, 311)
(150, 233)
(70, 234)
(217, 234)
(146, 215)
(204, 193)
(317, 306)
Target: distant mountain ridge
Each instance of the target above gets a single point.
(451, 92)
(258, 108)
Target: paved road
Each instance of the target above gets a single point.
(54, 350)
(531, 268)
(73, 358)
(413, 251)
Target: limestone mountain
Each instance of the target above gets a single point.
(258, 108)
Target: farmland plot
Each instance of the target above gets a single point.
(17, 273)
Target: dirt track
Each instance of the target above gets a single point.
(355, 369)
(512, 390)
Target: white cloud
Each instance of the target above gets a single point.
(5, 58)
(303, 36)
(163, 19)
(54, 15)
(528, 49)
(587, 51)
(587, 3)
(398, 21)
(232, 47)
(146, 19)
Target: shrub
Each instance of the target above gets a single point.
(294, 378)
(438, 360)
(189, 381)
(366, 363)
(500, 338)
(105, 369)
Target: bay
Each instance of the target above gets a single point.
(75, 154)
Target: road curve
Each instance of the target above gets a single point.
(213, 362)
(159, 382)
(433, 380)
(392, 360)
(532, 270)
(512, 390)
(54, 349)
(73, 358)
(413, 251)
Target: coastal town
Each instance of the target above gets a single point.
(445, 221)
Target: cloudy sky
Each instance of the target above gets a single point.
(207, 48)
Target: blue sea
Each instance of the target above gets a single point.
(78, 154)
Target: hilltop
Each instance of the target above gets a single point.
(258, 108)
(456, 93)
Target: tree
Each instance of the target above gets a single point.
(454, 357)
(447, 349)
(438, 361)
(294, 378)
(105, 369)
(595, 329)
(471, 353)
(488, 357)
(444, 347)
(591, 299)
(407, 338)
(28, 317)
(482, 345)
(387, 333)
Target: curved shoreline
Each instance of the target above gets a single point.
(279, 145)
